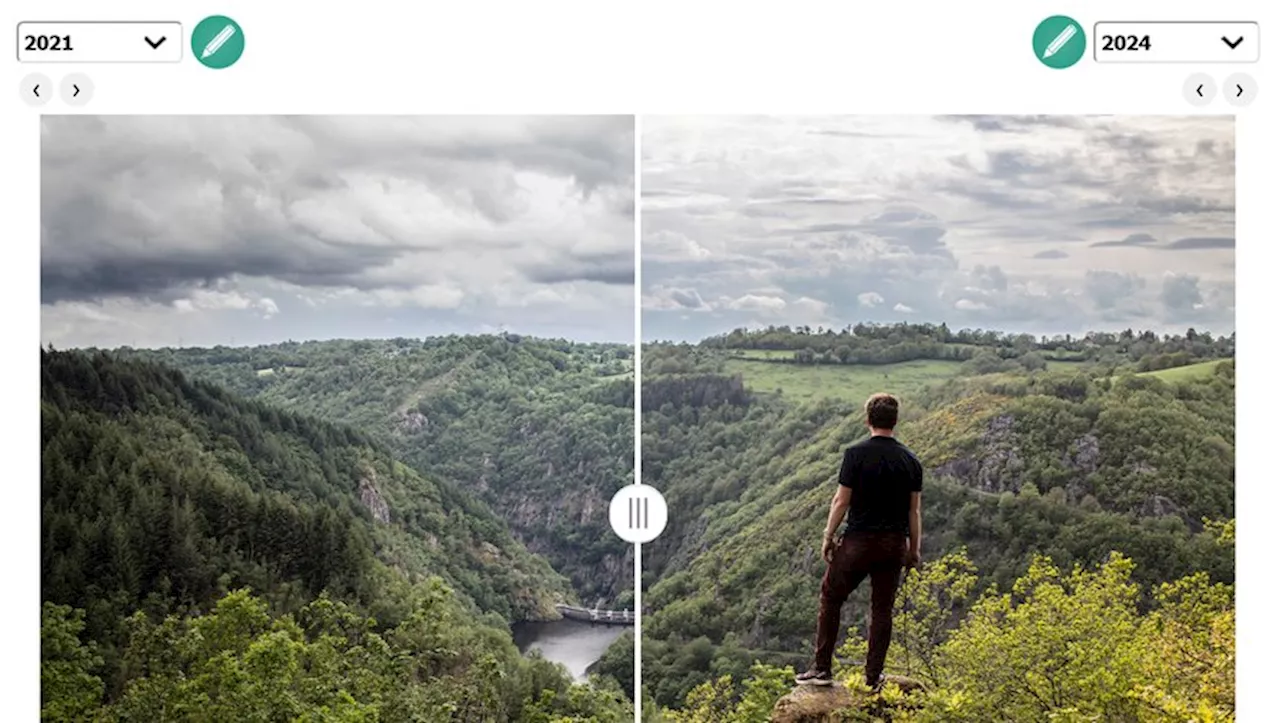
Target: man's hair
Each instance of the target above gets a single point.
(882, 411)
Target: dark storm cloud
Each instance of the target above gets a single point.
(1184, 244)
(147, 207)
(1185, 204)
(1146, 240)
(594, 151)
(443, 212)
(1133, 239)
(606, 268)
(164, 279)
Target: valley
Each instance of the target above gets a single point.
(181, 502)
(1062, 450)
(447, 493)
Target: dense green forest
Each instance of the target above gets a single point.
(540, 430)
(209, 557)
(1062, 454)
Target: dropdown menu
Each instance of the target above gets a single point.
(100, 42)
(1175, 42)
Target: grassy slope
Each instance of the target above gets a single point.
(1184, 373)
(851, 382)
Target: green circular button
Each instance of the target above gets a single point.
(217, 41)
(1058, 42)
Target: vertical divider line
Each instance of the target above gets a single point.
(636, 596)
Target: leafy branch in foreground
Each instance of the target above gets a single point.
(326, 663)
(1060, 645)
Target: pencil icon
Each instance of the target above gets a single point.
(1067, 33)
(223, 36)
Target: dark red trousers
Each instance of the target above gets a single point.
(858, 556)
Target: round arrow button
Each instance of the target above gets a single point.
(1239, 89)
(36, 89)
(77, 89)
(1199, 89)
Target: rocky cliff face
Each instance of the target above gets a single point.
(541, 524)
(372, 498)
(996, 465)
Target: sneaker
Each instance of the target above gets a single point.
(813, 676)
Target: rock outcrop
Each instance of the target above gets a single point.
(832, 704)
(996, 465)
(372, 498)
(812, 704)
(411, 422)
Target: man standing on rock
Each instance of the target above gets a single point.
(880, 483)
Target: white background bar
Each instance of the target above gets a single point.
(99, 42)
(1175, 42)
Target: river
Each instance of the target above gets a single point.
(573, 644)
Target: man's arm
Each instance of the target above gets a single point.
(843, 496)
(917, 526)
(839, 505)
(915, 521)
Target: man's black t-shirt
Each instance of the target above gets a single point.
(882, 473)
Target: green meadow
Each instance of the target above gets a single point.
(764, 353)
(853, 382)
(1184, 373)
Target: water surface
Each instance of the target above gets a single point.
(573, 644)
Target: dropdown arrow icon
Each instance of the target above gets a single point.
(154, 43)
(1232, 44)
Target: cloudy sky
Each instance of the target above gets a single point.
(242, 230)
(1039, 224)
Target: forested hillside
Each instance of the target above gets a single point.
(540, 430)
(889, 343)
(291, 541)
(1070, 459)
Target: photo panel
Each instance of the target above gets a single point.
(332, 410)
(1005, 344)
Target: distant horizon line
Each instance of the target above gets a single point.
(1137, 330)
(335, 340)
(649, 340)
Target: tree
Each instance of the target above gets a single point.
(1041, 649)
(70, 690)
(1033, 361)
